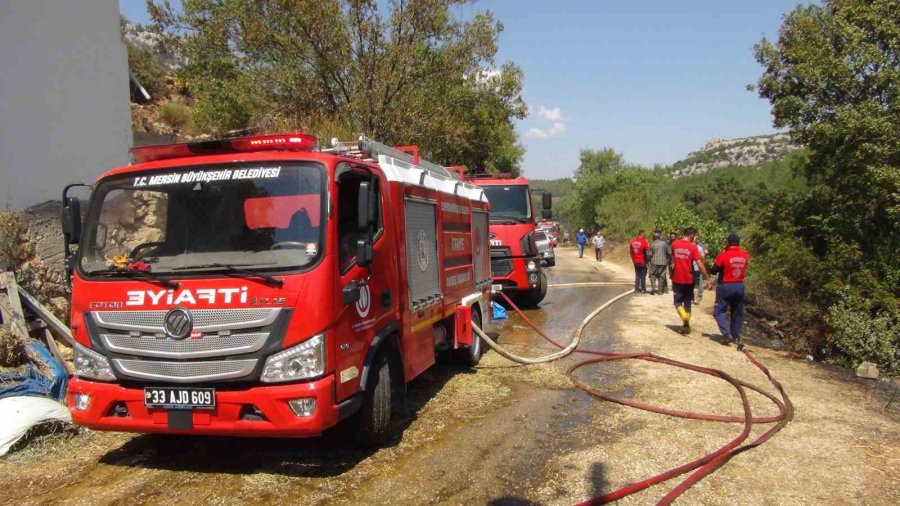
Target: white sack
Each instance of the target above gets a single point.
(18, 414)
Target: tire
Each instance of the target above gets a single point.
(551, 262)
(469, 356)
(532, 298)
(375, 413)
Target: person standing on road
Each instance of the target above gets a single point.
(581, 239)
(598, 241)
(640, 250)
(684, 254)
(660, 252)
(698, 286)
(731, 266)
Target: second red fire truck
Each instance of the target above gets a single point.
(264, 286)
(515, 260)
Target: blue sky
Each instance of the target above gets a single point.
(652, 79)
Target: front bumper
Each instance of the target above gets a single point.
(519, 278)
(223, 420)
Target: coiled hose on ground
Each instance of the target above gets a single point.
(701, 467)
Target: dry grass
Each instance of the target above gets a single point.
(12, 349)
(843, 446)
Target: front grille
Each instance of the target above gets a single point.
(213, 345)
(185, 372)
(501, 261)
(208, 320)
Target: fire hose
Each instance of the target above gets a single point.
(701, 467)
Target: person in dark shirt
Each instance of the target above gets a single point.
(660, 253)
(731, 266)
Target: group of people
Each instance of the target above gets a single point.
(597, 240)
(683, 261)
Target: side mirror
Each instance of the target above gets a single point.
(365, 208)
(547, 201)
(71, 220)
(364, 252)
(351, 293)
(547, 214)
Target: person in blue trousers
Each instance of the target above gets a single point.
(581, 239)
(731, 266)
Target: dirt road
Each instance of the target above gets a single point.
(505, 434)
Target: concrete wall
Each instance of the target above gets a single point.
(64, 107)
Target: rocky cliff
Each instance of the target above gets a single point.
(742, 152)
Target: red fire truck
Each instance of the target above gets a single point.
(515, 261)
(263, 286)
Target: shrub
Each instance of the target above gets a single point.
(175, 114)
(222, 109)
(857, 335)
(148, 71)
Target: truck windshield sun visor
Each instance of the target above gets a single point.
(244, 218)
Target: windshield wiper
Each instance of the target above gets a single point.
(235, 268)
(137, 274)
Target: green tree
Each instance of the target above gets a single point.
(833, 78)
(403, 72)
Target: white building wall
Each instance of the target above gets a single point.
(64, 105)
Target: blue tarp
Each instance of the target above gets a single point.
(499, 311)
(32, 381)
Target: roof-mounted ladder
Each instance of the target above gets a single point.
(368, 149)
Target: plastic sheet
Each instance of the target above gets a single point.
(18, 414)
(32, 382)
(499, 311)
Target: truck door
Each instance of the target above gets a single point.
(360, 322)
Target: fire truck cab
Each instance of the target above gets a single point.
(263, 286)
(515, 259)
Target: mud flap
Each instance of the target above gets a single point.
(462, 333)
(181, 419)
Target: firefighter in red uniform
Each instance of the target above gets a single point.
(731, 266)
(639, 248)
(684, 253)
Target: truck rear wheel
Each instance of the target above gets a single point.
(469, 356)
(379, 400)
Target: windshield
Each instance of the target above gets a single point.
(508, 201)
(254, 216)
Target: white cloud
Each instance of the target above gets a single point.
(554, 114)
(557, 127)
(537, 133)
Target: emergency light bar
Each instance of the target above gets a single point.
(487, 175)
(281, 142)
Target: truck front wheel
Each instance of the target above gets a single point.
(381, 397)
(532, 298)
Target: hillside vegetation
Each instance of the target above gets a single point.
(823, 224)
(743, 152)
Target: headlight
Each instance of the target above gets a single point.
(92, 365)
(306, 360)
(531, 265)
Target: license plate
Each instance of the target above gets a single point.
(179, 398)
